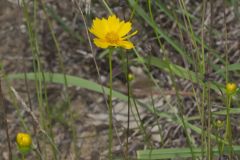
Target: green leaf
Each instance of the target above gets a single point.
(71, 80)
(80, 82)
(231, 67)
(157, 154)
(180, 71)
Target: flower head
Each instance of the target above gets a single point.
(24, 142)
(231, 88)
(112, 32)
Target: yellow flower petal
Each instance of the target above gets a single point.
(130, 35)
(101, 43)
(99, 32)
(124, 28)
(105, 26)
(126, 44)
(113, 22)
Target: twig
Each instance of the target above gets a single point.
(4, 121)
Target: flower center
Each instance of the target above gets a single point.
(112, 37)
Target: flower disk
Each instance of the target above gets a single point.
(112, 32)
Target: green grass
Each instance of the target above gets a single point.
(191, 39)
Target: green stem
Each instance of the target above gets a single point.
(110, 136)
(129, 105)
(23, 157)
(228, 124)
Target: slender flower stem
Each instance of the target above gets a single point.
(228, 124)
(129, 105)
(23, 157)
(110, 136)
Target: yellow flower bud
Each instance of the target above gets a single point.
(24, 142)
(231, 88)
(219, 123)
(130, 77)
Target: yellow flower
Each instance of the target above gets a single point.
(231, 88)
(112, 32)
(24, 140)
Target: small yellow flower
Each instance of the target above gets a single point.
(112, 32)
(231, 88)
(24, 140)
